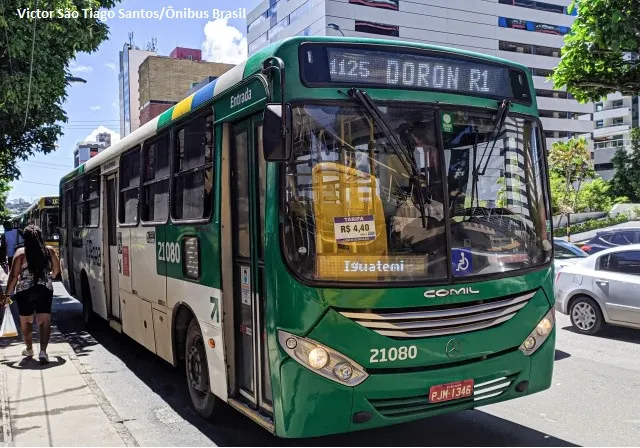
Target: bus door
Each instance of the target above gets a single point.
(68, 236)
(111, 212)
(248, 185)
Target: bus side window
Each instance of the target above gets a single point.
(155, 181)
(193, 170)
(129, 187)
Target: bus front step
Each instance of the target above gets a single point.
(115, 325)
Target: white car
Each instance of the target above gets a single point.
(603, 288)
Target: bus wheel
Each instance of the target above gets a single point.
(198, 371)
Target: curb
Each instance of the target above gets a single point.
(7, 433)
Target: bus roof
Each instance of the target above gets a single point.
(206, 95)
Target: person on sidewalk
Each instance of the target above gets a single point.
(11, 240)
(32, 271)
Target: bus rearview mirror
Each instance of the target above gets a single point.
(276, 135)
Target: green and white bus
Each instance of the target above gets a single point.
(337, 234)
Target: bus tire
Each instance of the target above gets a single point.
(197, 371)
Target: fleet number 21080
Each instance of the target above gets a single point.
(393, 354)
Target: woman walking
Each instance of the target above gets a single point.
(33, 268)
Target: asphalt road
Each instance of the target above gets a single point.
(594, 399)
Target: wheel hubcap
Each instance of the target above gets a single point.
(196, 368)
(584, 316)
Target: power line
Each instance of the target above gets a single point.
(69, 169)
(37, 183)
(45, 163)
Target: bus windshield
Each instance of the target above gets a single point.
(356, 212)
(50, 225)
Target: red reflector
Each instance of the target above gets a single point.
(586, 248)
(557, 277)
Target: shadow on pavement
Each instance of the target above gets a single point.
(621, 334)
(233, 429)
(560, 355)
(29, 363)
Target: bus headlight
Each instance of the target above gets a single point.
(322, 360)
(539, 334)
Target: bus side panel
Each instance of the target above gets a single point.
(206, 303)
(123, 235)
(93, 256)
(147, 282)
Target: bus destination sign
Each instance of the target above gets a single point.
(387, 68)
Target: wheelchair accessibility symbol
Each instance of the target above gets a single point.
(461, 261)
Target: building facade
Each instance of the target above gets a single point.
(84, 151)
(164, 81)
(130, 59)
(613, 117)
(525, 31)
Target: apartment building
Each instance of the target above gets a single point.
(525, 31)
(130, 59)
(614, 117)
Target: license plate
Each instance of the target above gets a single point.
(450, 391)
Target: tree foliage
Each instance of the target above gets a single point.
(27, 130)
(598, 53)
(626, 180)
(571, 162)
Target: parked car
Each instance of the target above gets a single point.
(566, 253)
(603, 288)
(605, 239)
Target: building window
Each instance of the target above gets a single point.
(527, 25)
(253, 46)
(551, 93)
(618, 121)
(547, 51)
(155, 181)
(598, 107)
(541, 72)
(129, 187)
(541, 6)
(377, 28)
(515, 47)
(603, 166)
(295, 15)
(193, 170)
(617, 103)
(599, 123)
(261, 18)
(278, 27)
(384, 4)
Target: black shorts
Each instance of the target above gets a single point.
(36, 299)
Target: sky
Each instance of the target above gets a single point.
(93, 107)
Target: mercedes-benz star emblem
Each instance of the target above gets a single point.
(453, 348)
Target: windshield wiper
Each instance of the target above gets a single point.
(401, 151)
(501, 118)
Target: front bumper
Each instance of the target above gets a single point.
(311, 405)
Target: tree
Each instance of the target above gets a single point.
(599, 55)
(626, 180)
(596, 196)
(31, 94)
(570, 161)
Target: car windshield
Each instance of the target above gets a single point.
(354, 208)
(563, 251)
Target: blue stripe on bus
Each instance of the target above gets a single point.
(204, 94)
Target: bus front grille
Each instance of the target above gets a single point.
(452, 319)
(409, 406)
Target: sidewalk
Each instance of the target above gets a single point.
(55, 404)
